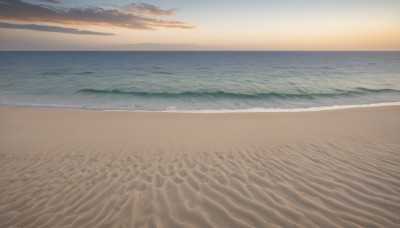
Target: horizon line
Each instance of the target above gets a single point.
(349, 50)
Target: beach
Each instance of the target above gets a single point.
(82, 168)
(172, 114)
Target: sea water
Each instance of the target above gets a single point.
(198, 80)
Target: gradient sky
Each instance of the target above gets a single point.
(200, 25)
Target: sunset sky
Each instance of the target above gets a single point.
(200, 25)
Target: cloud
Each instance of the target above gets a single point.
(19, 10)
(49, 1)
(45, 28)
(144, 8)
(158, 47)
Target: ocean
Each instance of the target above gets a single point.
(198, 81)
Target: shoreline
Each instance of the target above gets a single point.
(222, 111)
(160, 129)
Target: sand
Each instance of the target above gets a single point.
(77, 168)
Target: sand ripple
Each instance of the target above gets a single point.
(329, 184)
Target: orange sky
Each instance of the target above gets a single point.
(254, 25)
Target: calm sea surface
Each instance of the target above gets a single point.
(198, 80)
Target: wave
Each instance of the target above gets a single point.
(55, 73)
(240, 110)
(230, 95)
(84, 73)
(163, 72)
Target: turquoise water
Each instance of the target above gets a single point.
(198, 80)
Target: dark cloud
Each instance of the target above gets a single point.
(23, 11)
(49, 1)
(144, 8)
(45, 28)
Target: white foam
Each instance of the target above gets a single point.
(205, 111)
(262, 110)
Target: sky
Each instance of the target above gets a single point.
(200, 25)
